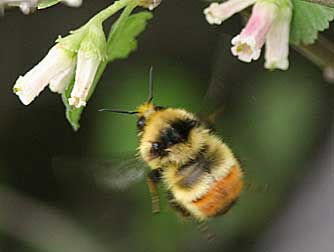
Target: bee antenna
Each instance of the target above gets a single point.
(150, 97)
(118, 111)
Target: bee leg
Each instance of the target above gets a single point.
(152, 186)
(153, 179)
(204, 228)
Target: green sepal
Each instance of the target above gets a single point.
(73, 41)
(94, 42)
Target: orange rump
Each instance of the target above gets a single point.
(222, 194)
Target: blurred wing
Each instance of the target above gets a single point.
(256, 188)
(222, 77)
(116, 173)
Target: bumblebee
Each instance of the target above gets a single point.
(198, 170)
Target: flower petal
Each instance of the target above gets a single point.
(84, 77)
(245, 48)
(29, 86)
(59, 83)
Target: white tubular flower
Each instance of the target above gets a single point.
(216, 13)
(84, 77)
(72, 3)
(247, 45)
(91, 53)
(277, 42)
(61, 81)
(29, 86)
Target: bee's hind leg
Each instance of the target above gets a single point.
(153, 179)
(204, 228)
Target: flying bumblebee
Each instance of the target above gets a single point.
(198, 170)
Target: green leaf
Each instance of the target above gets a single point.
(72, 114)
(308, 19)
(123, 38)
(47, 3)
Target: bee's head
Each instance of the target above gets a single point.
(143, 111)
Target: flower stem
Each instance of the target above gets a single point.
(112, 9)
(127, 11)
(321, 54)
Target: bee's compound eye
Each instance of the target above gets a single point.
(158, 150)
(141, 122)
(155, 146)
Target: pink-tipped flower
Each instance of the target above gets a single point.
(29, 86)
(247, 45)
(277, 42)
(217, 13)
(269, 23)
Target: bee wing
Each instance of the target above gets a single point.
(222, 77)
(257, 188)
(117, 173)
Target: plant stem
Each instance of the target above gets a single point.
(321, 54)
(127, 11)
(328, 3)
(112, 9)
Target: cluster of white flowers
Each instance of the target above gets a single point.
(28, 6)
(268, 24)
(76, 56)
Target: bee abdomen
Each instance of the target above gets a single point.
(221, 195)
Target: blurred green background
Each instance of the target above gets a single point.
(275, 122)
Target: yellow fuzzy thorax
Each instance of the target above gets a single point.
(156, 122)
